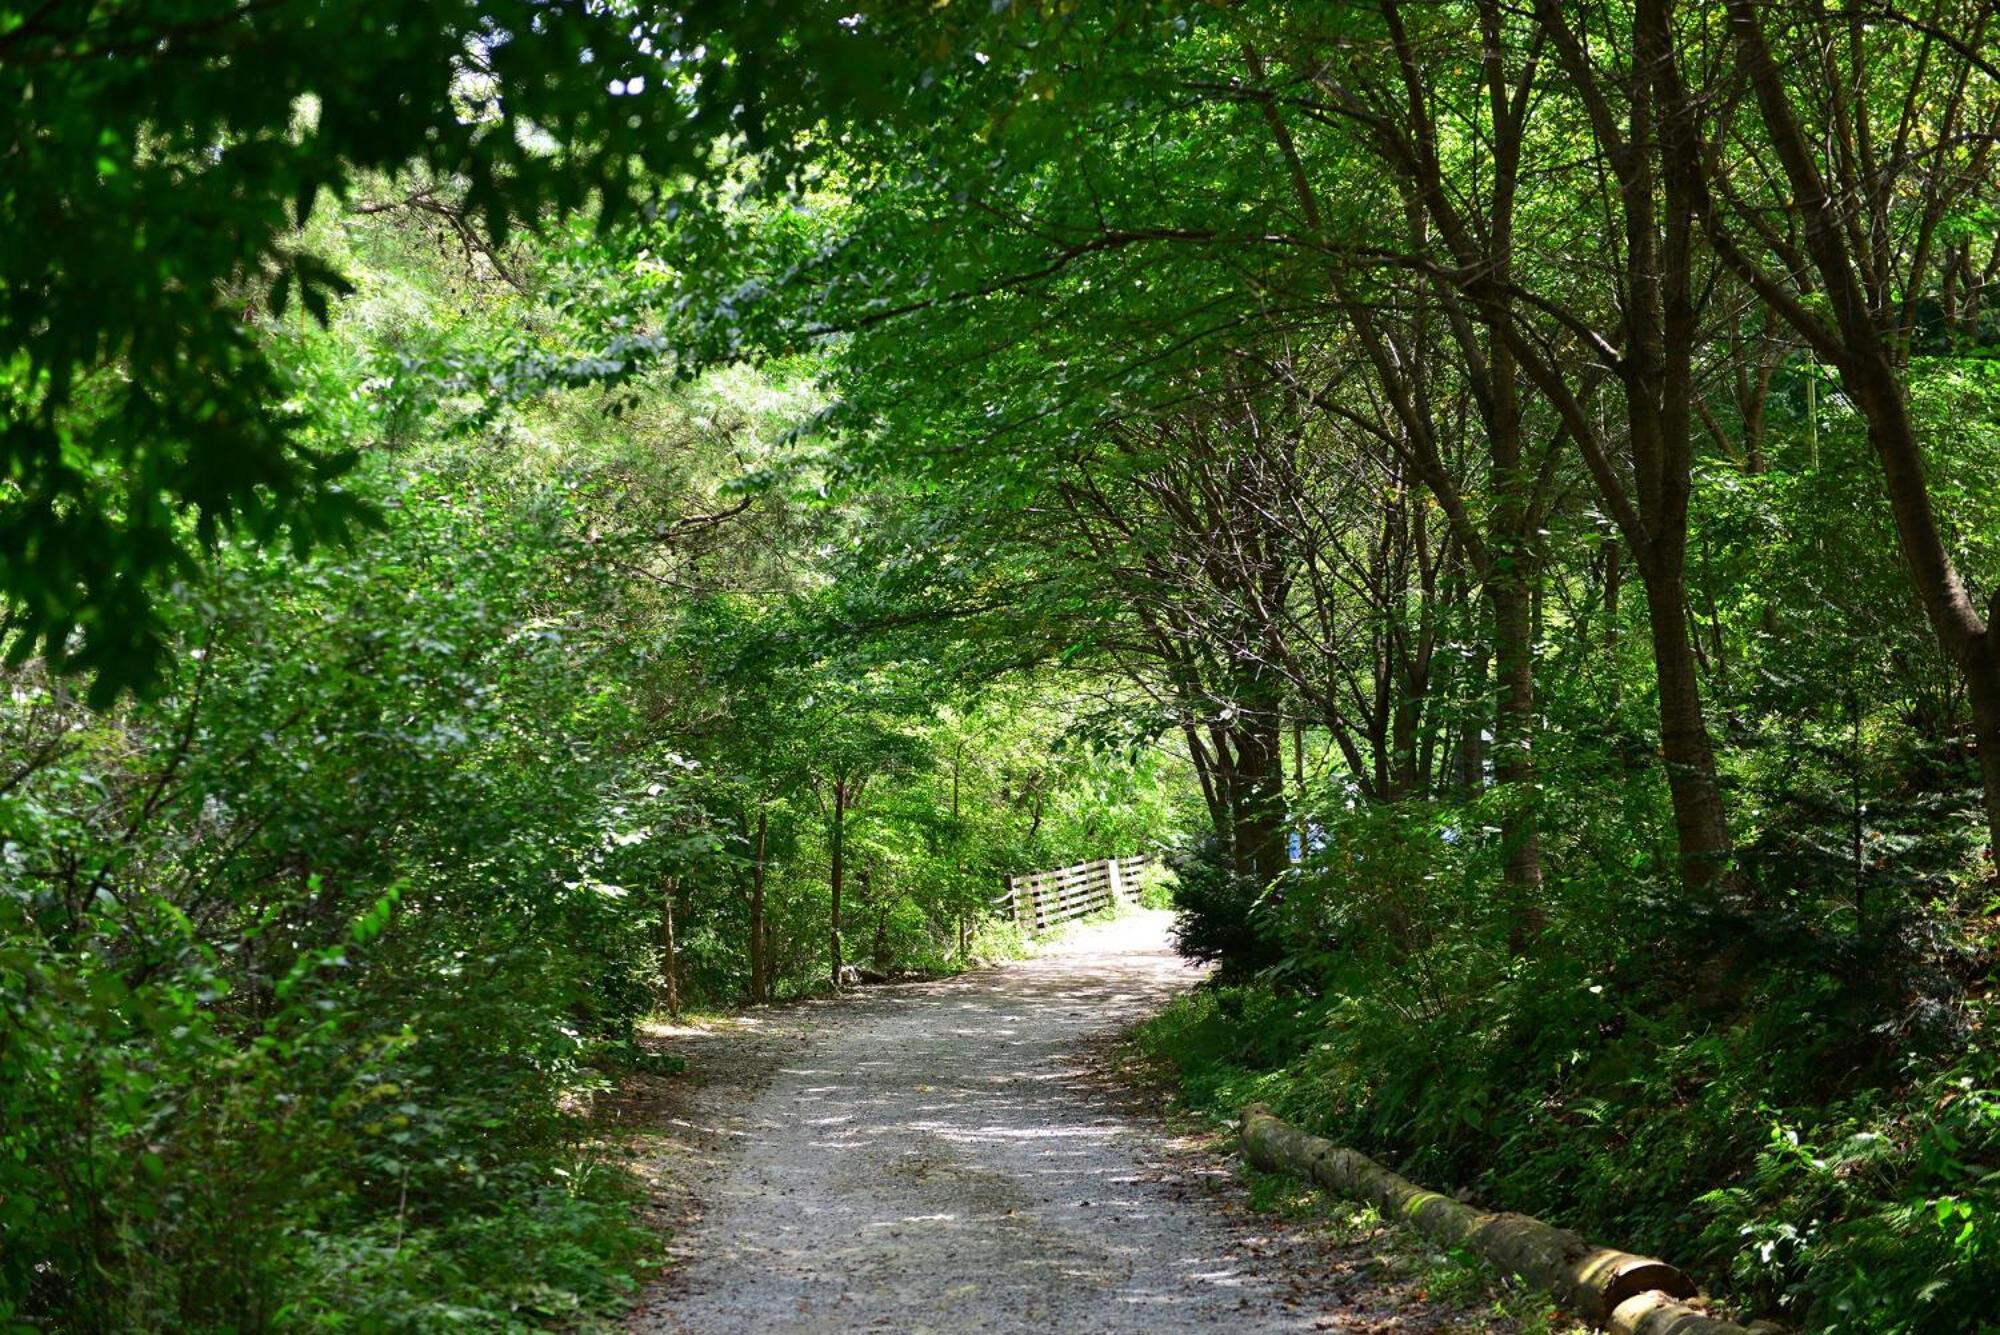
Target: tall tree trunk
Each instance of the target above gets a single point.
(1511, 581)
(1299, 759)
(879, 952)
(1259, 834)
(957, 836)
(771, 958)
(1407, 716)
(1472, 743)
(1699, 820)
(760, 991)
(1208, 773)
(1513, 754)
(670, 967)
(1983, 683)
(1858, 336)
(1614, 572)
(1961, 632)
(837, 874)
(1614, 553)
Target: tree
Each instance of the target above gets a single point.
(1883, 127)
(162, 159)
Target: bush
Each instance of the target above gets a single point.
(298, 961)
(1807, 1118)
(1156, 885)
(1219, 913)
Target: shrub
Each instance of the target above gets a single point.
(1219, 913)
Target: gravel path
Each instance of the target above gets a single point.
(937, 1157)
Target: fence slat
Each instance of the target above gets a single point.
(1040, 900)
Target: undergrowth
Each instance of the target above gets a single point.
(1807, 1119)
(1453, 1280)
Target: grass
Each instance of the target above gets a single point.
(1480, 1297)
(1473, 1296)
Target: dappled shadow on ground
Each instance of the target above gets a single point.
(938, 1158)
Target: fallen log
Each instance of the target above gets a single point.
(1633, 1295)
(1657, 1314)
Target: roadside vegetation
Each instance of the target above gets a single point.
(514, 517)
(314, 956)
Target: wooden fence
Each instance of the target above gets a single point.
(1040, 900)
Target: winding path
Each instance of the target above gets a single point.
(937, 1157)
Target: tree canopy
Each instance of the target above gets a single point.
(514, 516)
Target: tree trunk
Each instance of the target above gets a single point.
(1513, 755)
(1983, 682)
(1299, 759)
(1472, 745)
(1860, 342)
(772, 956)
(1700, 825)
(1965, 637)
(1614, 554)
(1405, 718)
(760, 992)
(1258, 837)
(1209, 775)
(864, 880)
(670, 968)
(836, 876)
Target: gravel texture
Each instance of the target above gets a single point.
(943, 1157)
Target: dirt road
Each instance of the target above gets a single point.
(935, 1157)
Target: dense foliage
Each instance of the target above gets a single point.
(1534, 460)
(312, 959)
(669, 505)
(161, 157)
